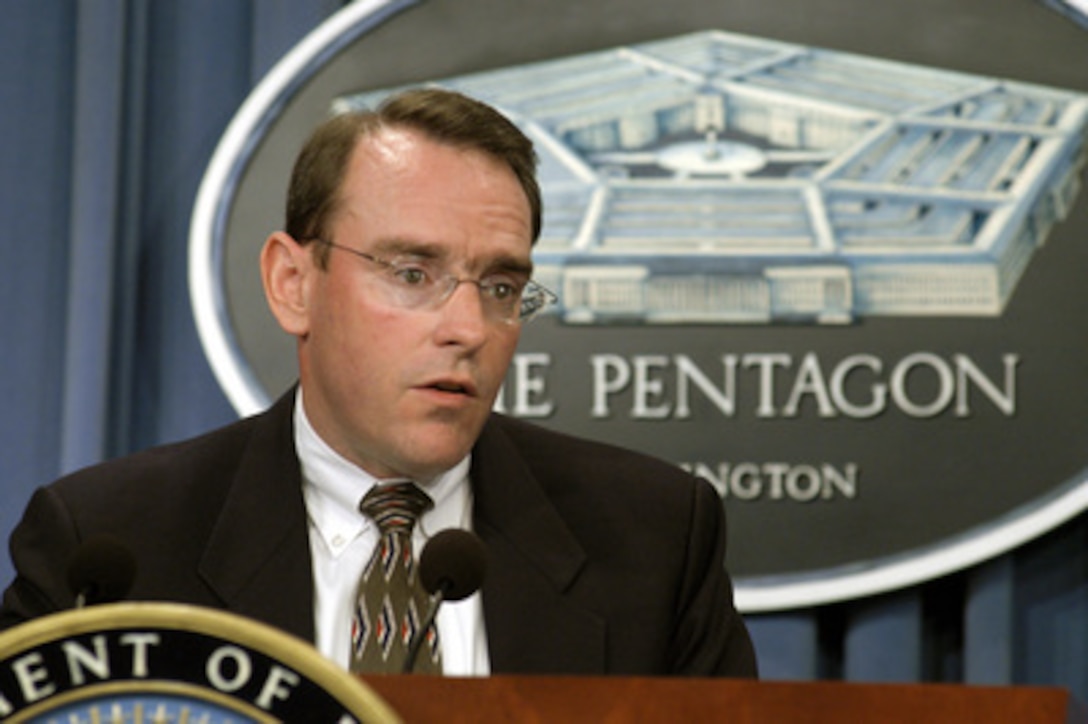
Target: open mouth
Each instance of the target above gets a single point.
(451, 387)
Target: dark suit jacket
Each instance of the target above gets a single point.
(599, 560)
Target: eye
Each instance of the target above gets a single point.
(410, 275)
(503, 289)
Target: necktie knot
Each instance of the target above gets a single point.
(395, 507)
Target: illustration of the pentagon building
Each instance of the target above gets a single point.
(721, 178)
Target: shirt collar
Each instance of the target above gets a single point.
(333, 487)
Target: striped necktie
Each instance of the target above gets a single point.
(390, 601)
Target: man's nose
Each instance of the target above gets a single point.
(463, 316)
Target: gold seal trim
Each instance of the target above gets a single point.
(290, 651)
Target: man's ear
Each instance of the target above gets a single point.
(286, 270)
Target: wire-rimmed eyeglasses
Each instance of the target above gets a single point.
(418, 284)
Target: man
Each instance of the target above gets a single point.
(404, 274)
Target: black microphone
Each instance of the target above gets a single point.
(101, 571)
(451, 567)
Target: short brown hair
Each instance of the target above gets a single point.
(441, 115)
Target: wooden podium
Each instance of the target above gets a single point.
(620, 699)
(170, 663)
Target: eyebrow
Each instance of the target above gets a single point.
(396, 246)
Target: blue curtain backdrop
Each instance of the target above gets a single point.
(110, 112)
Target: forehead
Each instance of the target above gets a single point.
(401, 182)
(393, 150)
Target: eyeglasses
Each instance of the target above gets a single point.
(418, 284)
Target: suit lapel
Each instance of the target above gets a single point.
(533, 622)
(258, 556)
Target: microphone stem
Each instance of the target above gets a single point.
(421, 635)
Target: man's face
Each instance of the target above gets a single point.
(405, 392)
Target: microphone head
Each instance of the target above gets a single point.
(102, 570)
(453, 561)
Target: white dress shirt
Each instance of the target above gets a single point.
(342, 539)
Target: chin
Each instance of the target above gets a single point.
(436, 447)
(432, 461)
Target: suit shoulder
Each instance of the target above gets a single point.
(185, 460)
